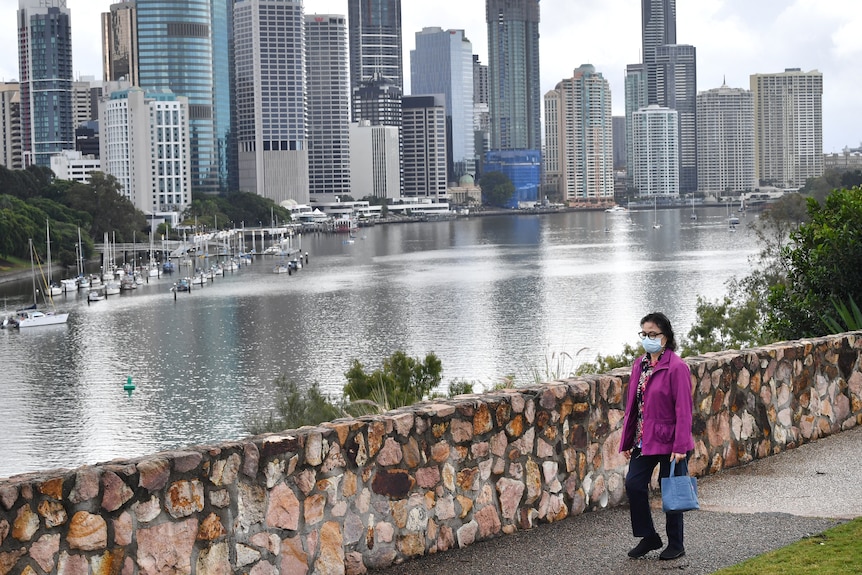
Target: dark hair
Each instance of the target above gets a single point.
(663, 324)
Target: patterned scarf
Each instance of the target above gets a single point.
(646, 371)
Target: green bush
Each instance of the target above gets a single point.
(401, 381)
(294, 408)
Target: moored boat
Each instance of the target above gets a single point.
(35, 318)
(32, 316)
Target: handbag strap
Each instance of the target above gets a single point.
(683, 467)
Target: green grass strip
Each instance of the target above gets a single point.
(833, 552)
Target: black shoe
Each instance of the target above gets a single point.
(671, 553)
(647, 544)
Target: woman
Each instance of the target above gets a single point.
(656, 431)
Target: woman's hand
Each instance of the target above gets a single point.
(677, 457)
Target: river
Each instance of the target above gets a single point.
(492, 297)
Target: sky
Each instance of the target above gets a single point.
(734, 39)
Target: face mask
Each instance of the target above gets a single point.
(651, 345)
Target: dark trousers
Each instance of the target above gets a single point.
(637, 488)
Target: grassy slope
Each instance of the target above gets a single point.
(836, 551)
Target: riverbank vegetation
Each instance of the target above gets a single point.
(31, 197)
(400, 381)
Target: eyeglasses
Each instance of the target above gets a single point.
(652, 335)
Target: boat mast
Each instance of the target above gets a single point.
(33, 269)
(48, 236)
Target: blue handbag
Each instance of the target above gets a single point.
(679, 492)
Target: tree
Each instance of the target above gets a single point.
(237, 207)
(832, 179)
(295, 408)
(606, 363)
(497, 188)
(822, 264)
(731, 322)
(110, 210)
(401, 381)
(738, 320)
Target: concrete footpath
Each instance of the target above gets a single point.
(745, 512)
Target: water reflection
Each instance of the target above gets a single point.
(491, 296)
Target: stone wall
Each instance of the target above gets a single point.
(354, 495)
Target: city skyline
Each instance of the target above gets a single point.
(734, 40)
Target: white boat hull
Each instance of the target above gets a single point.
(38, 318)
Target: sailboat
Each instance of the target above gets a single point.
(83, 278)
(693, 215)
(72, 284)
(655, 224)
(32, 316)
(50, 287)
(153, 266)
(731, 220)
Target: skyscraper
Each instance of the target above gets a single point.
(328, 104)
(45, 69)
(481, 113)
(376, 61)
(656, 153)
(579, 137)
(272, 129)
(636, 98)
(145, 145)
(725, 135)
(658, 28)
(619, 123)
(120, 44)
(423, 134)
(442, 63)
(375, 41)
(10, 125)
(181, 45)
(788, 135)
(513, 71)
(676, 88)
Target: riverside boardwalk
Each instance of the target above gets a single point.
(745, 512)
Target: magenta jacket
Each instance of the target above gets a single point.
(667, 408)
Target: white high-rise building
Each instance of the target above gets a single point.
(788, 133)
(655, 145)
(423, 131)
(145, 145)
(375, 161)
(74, 166)
(725, 140)
(85, 100)
(579, 153)
(271, 106)
(328, 85)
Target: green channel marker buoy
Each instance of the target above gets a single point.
(129, 386)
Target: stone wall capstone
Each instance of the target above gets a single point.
(359, 494)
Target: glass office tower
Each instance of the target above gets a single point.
(374, 32)
(184, 46)
(658, 28)
(45, 67)
(442, 63)
(513, 70)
